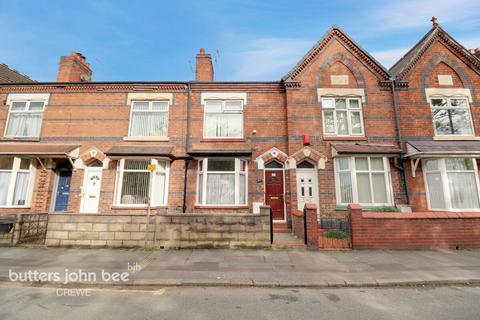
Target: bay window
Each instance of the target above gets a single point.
(16, 179)
(222, 182)
(364, 180)
(452, 183)
(451, 116)
(223, 119)
(342, 116)
(149, 119)
(25, 119)
(135, 183)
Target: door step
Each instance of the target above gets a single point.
(280, 227)
(286, 240)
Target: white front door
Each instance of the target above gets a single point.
(91, 189)
(307, 187)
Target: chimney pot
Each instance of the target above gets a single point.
(204, 66)
(74, 68)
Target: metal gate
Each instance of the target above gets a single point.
(32, 228)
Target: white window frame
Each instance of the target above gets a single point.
(353, 176)
(349, 117)
(224, 111)
(449, 107)
(446, 191)
(27, 110)
(119, 182)
(13, 179)
(150, 110)
(203, 170)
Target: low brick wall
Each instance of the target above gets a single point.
(298, 224)
(169, 230)
(418, 230)
(98, 230)
(198, 230)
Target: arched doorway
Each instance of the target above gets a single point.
(307, 184)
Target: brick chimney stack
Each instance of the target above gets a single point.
(204, 66)
(74, 68)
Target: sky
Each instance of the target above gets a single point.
(128, 40)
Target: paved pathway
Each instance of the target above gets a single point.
(252, 267)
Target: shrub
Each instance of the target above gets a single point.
(335, 234)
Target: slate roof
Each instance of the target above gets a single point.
(8, 75)
(365, 148)
(40, 149)
(443, 147)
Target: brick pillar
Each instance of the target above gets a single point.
(41, 197)
(355, 212)
(312, 225)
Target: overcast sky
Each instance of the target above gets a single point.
(250, 40)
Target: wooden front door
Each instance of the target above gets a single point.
(274, 193)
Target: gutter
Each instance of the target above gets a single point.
(187, 158)
(400, 168)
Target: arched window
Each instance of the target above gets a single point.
(274, 165)
(305, 165)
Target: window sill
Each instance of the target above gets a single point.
(146, 139)
(344, 138)
(223, 140)
(15, 207)
(219, 207)
(135, 207)
(455, 138)
(25, 139)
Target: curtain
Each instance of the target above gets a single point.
(435, 191)
(363, 187)
(4, 183)
(342, 122)
(24, 124)
(21, 185)
(379, 188)
(242, 189)
(346, 191)
(463, 190)
(220, 188)
(135, 188)
(158, 196)
(224, 125)
(145, 124)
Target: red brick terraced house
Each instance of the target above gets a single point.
(339, 128)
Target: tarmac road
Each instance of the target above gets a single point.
(453, 302)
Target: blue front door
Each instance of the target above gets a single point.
(63, 190)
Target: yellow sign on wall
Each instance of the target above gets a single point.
(152, 167)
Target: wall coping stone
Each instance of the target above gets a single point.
(421, 215)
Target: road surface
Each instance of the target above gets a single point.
(437, 303)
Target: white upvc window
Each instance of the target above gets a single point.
(222, 182)
(452, 183)
(135, 183)
(451, 116)
(342, 116)
(223, 119)
(25, 119)
(363, 180)
(149, 119)
(16, 181)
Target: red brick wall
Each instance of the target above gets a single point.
(420, 230)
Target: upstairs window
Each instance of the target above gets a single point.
(135, 183)
(342, 116)
(223, 119)
(25, 119)
(451, 116)
(15, 181)
(149, 119)
(222, 182)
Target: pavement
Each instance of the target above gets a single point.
(258, 268)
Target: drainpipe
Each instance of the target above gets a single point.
(187, 142)
(400, 168)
